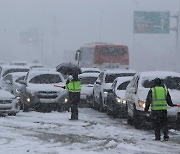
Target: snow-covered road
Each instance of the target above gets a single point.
(94, 133)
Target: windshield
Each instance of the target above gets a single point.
(46, 79)
(15, 70)
(112, 51)
(170, 82)
(111, 77)
(88, 80)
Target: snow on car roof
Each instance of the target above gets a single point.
(18, 73)
(88, 75)
(160, 74)
(14, 66)
(119, 71)
(39, 71)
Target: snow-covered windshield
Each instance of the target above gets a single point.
(170, 82)
(88, 80)
(46, 79)
(111, 77)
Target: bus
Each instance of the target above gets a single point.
(103, 55)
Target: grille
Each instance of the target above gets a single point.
(5, 101)
(47, 94)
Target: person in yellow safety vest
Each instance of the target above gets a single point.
(158, 97)
(74, 87)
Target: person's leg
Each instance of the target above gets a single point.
(157, 128)
(73, 111)
(164, 124)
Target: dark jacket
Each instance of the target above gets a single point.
(149, 100)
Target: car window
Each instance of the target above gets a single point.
(20, 78)
(14, 70)
(123, 85)
(170, 82)
(111, 77)
(88, 80)
(46, 79)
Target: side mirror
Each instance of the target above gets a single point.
(8, 82)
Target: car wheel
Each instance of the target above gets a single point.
(12, 114)
(94, 106)
(25, 108)
(101, 109)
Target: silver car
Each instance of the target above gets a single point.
(8, 103)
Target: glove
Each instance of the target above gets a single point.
(178, 105)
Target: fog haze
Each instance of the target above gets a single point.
(65, 25)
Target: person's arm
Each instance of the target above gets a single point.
(169, 100)
(148, 100)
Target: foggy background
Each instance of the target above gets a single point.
(60, 27)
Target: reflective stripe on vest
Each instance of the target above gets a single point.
(74, 86)
(159, 102)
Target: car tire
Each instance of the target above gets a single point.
(25, 108)
(100, 108)
(11, 114)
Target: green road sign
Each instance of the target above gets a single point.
(151, 22)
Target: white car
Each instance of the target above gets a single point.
(8, 103)
(87, 82)
(44, 89)
(103, 84)
(11, 83)
(136, 93)
(6, 69)
(116, 102)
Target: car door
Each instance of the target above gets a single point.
(97, 86)
(131, 92)
(7, 83)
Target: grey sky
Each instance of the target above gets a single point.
(65, 25)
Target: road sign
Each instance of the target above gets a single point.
(151, 22)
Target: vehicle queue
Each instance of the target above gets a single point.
(120, 93)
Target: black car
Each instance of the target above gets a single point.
(116, 103)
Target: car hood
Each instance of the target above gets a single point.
(120, 93)
(6, 94)
(46, 87)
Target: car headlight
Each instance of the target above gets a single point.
(120, 100)
(142, 104)
(65, 100)
(28, 99)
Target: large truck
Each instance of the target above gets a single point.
(103, 55)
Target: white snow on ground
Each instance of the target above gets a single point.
(94, 133)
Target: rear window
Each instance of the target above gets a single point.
(46, 79)
(88, 80)
(170, 82)
(111, 77)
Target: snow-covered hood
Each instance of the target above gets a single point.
(5, 94)
(46, 87)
